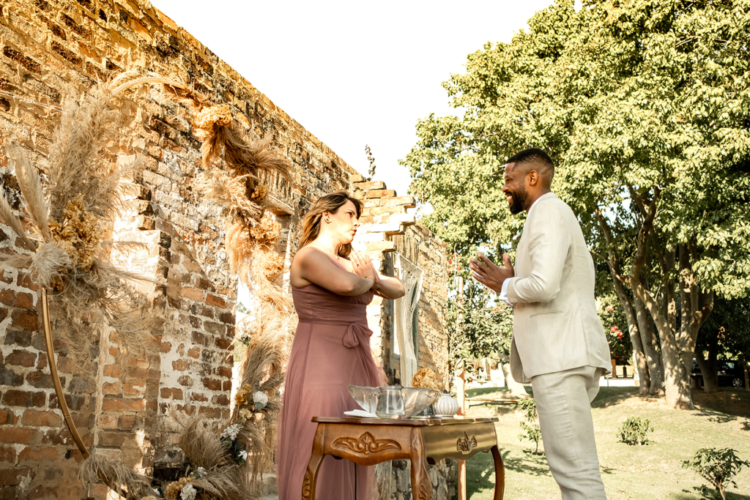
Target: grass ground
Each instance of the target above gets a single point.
(648, 472)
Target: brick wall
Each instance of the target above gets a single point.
(49, 49)
(53, 48)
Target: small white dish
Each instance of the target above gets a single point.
(360, 414)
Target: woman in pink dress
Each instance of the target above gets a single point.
(331, 287)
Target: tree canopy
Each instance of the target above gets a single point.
(644, 105)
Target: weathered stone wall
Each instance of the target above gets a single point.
(50, 49)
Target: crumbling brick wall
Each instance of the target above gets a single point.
(50, 49)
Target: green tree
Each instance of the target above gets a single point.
(530, 423)
(726, 335)
(644, 106)
(478, 325)
(718, 467)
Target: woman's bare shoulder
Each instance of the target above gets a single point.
(309, 254)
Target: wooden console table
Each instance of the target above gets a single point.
(370, 441)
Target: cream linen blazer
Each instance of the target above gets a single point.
(555, 323)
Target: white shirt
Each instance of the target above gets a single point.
(503, 291)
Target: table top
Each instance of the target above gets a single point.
(407, 422)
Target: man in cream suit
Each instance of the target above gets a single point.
(559, 343)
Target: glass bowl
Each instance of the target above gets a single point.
(415, 399)
(366, 397)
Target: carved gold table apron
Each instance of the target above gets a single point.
(370, 441)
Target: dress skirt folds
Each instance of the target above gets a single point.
(331, 350)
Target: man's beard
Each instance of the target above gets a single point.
(518, 200)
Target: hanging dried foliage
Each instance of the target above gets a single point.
(251, 237)
(67, 228)
(67, 253)
(238, 187)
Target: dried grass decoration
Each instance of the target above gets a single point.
(251, 237)
(239, 188)
(218, 462)
(65, 234)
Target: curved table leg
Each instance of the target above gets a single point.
(499, 473)
(421, 485)
(311, 475)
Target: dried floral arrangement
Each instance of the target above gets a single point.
(251, 236)
(66, 231)
(217, 469)
(68, 254)
(229, 465)
(425, 378)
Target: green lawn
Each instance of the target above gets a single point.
(629, 472)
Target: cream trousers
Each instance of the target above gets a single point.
(563, 401)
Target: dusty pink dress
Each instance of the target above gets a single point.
(331, 350)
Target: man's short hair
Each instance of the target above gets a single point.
(534, 155)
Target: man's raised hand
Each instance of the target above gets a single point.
(486, 272)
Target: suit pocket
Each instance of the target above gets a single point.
(557, 338)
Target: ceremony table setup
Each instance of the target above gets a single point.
(403, 423)
(422, 440)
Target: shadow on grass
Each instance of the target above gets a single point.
(717, 416)
(697, 494)
(481, 469)
(479, 472)
(723, 406)
(481, 391)
(609, 396)
(530, 463)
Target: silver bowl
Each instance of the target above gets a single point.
(415, 399)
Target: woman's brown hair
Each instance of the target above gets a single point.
(328, 203)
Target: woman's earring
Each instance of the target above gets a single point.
(328, 221)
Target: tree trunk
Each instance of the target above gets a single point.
(677, 384)
(641, 362)
(709, 367)
(650, 348)
(676, 378)
(709, 371)
(695, 308)
(743, 362)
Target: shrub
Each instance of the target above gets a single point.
(634, 430)
(718, 467)
(530, 424)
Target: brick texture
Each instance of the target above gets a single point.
(50, 49)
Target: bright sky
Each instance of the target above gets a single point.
(353, 73)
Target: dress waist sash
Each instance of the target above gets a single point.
(357, 334)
